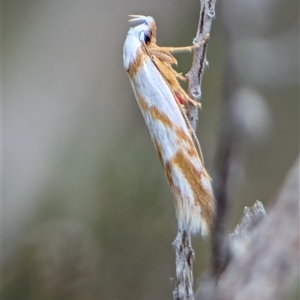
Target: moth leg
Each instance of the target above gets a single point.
(186, 48)
(180, 77)
(195, 103)
(177, 49)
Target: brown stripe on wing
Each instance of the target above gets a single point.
(155, 112)
(136, 64)
(183, 137)
(203, 198)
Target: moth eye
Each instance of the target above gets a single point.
(146, 38)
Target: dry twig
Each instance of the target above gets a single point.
(182, 244)
(195, 75)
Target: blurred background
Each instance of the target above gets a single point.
(86, 211)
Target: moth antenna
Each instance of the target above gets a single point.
(140, 19)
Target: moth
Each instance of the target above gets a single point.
(161, 100)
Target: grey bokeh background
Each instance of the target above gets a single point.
(86, 210)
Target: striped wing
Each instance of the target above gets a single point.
(186, 175)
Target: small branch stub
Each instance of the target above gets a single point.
(251, 216)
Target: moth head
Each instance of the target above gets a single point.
(146, 27)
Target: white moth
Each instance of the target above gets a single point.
(161, 98)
